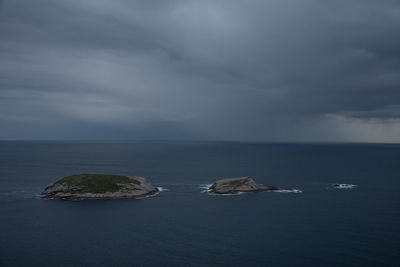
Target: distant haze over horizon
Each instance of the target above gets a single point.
(253, 71)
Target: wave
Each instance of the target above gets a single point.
(344, 186)
(160, 189)
(205, 188)
(233, 194)
(296, 191)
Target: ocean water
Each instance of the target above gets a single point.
(318, 224)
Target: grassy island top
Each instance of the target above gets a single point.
(96, 183)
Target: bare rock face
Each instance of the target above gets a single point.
(237, 185)
(99, 186)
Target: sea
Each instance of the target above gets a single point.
(340, 206)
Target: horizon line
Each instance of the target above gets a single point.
(195, 141)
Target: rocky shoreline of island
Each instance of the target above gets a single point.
(99, 186)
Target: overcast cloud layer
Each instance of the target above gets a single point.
(277, 70)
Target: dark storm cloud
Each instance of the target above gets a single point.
(221, 70)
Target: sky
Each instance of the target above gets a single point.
(220, 70)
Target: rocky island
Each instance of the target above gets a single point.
(99, 186)
(237, 185)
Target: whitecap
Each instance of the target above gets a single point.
(296, 191)
(205, 187)
(233, 194)
(162, 189)
(344, 186)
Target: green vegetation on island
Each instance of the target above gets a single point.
(96, 183)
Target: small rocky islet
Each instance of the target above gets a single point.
(238, 185)
(99, 186)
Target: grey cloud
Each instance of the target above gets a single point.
(219, 70)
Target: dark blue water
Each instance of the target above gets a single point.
(322, 226)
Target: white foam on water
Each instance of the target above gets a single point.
(205, 187)
(296, 191)
(344, 186)
(160, 189)
(238, 193)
